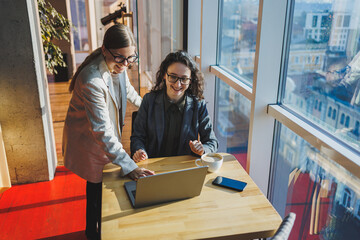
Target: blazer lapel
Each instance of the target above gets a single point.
(186, 122)
(104, 71)
(108, 80)
(159, 118)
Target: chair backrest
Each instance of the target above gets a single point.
(286, 225)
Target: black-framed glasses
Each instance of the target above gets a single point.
(174, 79)
(121, 59)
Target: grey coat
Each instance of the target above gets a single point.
(92, 131)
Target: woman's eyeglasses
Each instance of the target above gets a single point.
(174, 79)
(121, 59)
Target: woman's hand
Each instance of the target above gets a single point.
(197, 147)
(140, 172)
(140, 155)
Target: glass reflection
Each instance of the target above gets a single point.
(231, 124)
(237, 37)
(323, 72)
(324, 196)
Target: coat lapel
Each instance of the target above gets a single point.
(159, 119)
(108, 80)
(104, 71)
(186, 122)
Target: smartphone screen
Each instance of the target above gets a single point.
(229, 183)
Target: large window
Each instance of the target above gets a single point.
(301, 93)
(238, 22)
(323, 86)
(321, 89)
(323, 194)
(237, 37)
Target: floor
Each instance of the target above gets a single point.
(46, 210)
(53, 209)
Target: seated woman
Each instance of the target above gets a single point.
(173, 115)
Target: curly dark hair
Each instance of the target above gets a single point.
(196, 87)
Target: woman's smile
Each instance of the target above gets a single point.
(175, 91)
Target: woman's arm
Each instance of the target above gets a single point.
(131, 94)
(139, 134)
(207, 135)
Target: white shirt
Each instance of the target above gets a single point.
(116, 85)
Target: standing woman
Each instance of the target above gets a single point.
(92, 131)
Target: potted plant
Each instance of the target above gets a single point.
(54, 26)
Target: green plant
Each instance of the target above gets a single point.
(54, 26)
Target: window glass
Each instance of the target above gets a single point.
(237, 37)
(325, 37)
(103, 9)
(162, 24)
(171, 26)
(80, 32)
(323, 194)
(231, 125)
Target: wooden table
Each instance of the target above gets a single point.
(216, 213)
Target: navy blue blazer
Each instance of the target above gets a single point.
(149, 124)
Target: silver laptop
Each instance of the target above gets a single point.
(165, 187)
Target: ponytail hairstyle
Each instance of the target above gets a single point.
(196, 87)
(117, 36)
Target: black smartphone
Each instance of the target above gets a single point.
(229, 183)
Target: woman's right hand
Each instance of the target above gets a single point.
(140, 155)
(140, 172)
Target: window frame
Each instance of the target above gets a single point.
(270, 67)
(194, 29)
(347, 197)
(208, 50)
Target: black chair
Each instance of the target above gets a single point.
(286, 225)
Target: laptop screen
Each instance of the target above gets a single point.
(165, 187)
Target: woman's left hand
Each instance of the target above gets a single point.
(197, 147)
(140, 155)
